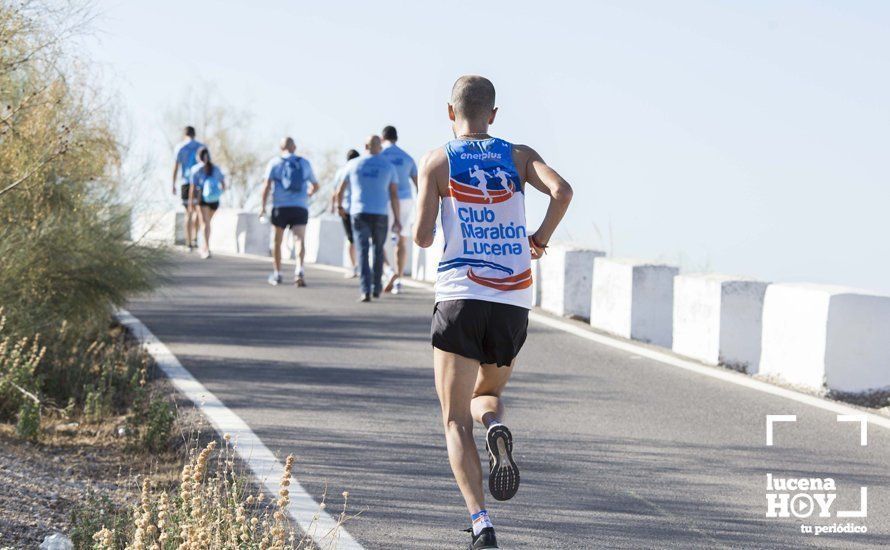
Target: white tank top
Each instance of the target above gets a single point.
(486, 254)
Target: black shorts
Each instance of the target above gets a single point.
(184, 193)
(289, 216)
(210, 205)
(347, 226)
(486, 331)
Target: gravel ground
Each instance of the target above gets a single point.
(41, 483)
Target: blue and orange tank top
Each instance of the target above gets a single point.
(486, 255)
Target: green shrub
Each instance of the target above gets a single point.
(96, 512)
(28, 425)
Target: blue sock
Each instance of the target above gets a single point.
(480, 521)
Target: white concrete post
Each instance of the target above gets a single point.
(324, 240)
(823, 335)
(566, 274)
(717, 319)
(633, 299)
(159, 227)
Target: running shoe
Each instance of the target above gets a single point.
(364, 298)
(397, 288)
(485, 539)
(503, 475)
(205, 255)
(349, 275)
(274, 279)
(299, 281)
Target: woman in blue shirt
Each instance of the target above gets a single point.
(207, 184)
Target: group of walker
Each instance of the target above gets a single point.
(368, 186)
(476, 186)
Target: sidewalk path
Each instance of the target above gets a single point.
(616, 451)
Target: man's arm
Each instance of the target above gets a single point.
(313, 181)
(546, 180)
(341, 192)
(266, 189)
(175, 173)
(427, 199)
(394, 203)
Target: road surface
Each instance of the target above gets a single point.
(616, 450)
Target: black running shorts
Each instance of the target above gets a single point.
(486, 331)
(211, 205)
(347, 226)
(289, 216)
(184, 193)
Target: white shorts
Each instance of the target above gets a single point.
(406, 216)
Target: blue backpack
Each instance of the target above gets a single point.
(292, 175)
(211, 190)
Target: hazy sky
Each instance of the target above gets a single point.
(743, 137)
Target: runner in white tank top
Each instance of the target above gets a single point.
(483, 288)
(486, 254)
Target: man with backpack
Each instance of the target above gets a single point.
(291, 181)
(186, 155)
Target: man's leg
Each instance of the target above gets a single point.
(276, 249)
(486, 406)
(299, 240)
(378, 237)
(187, 225)
(362, 237)
(455, 382)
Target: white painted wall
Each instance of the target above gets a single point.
(325, 240)
(717, 319)
(823, 335)
(238, 232)
(158, 227)
(566, 278)
(634, 299)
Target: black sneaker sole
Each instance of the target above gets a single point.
(503, 476)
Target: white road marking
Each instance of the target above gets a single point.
(303, 509)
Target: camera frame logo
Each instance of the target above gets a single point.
(808, 497)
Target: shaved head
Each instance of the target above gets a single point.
(287, 144)
(372, 144)
(472, 97)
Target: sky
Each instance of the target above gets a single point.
(749, 138)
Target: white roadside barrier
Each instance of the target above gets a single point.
(158, 227)
(426, 260)
(633, 299)
(565, 274)
(239, 232)
(718, 319)
(536, 283)
(826, 336)
(325, 240)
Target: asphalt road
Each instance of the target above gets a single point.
(616, 450)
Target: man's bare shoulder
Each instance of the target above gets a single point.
(523, 151)
(434, 160)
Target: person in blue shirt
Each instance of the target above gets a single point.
(406, 170)
(373, 188)
(291, 182)
(206, 186)
(344, 216)
(186, 155)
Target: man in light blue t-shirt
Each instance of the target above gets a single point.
(186, 155)
(406, 171)
(373, 191)
(291, 181)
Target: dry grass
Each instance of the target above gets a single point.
(214, 505)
